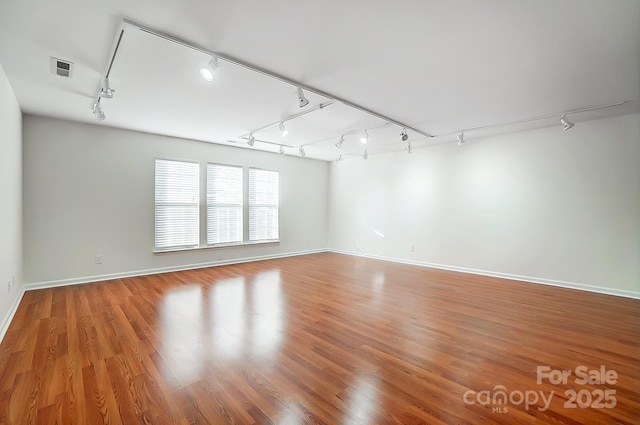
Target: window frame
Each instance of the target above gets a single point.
(249, 205)
(241, 206)
(182, 247)
(202, 227)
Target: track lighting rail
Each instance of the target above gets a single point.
(105, 90)
(290, 117)
(527, 120)
(266, 142)
(113, 58)
(264, 72)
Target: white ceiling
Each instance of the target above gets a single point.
(439, 66)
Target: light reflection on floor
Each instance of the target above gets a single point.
(289, 416)
(377, 288)
(183, 333)
(228, 324)
(268, 317)
(236, 318)
(229, 320)
(362, 401)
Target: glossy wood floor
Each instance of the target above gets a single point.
(319, 339)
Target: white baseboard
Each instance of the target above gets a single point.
(6, 321)
(551, 282)
(111, 276)
(98, 278)
(88, 279)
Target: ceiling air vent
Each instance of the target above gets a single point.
(61, 67)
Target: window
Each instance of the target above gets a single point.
(263, 205)
(224, 204)
(177, 204)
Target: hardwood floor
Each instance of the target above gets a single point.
(319, 339)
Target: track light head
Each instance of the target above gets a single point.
(403, 135)
(106, 91)
(252, 140)
(283, 129)
(365, 155)
(281, 150)
(301, 99)
(566, 124)
(365, 137)
(98, 112)
(207, 71)
(409, 148)
(302, 152)
(340, 142)
(461, 140)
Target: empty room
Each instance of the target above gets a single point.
(330, 213)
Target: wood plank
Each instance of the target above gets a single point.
(317, 339)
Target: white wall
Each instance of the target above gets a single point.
(548, 205)
(89, 190)
(11, 201)
(544, 205)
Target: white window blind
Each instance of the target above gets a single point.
(263, 205)
(177, 204)
(224, 204)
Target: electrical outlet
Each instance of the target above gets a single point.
(98, 259)
(413, 248)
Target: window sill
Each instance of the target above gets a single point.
(223, 245)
